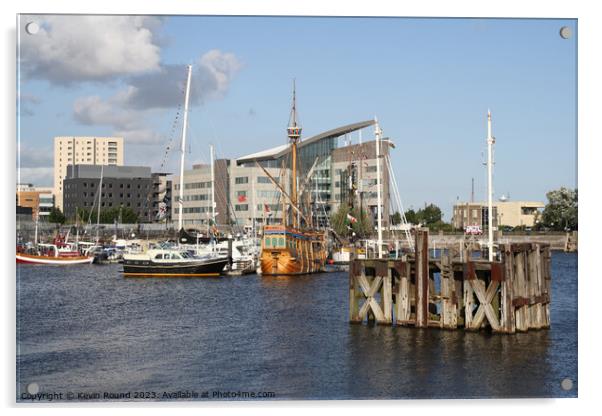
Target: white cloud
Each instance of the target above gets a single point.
(220, 67)
(140, 136)
(93, 110)
(70, 49)
(129, 110)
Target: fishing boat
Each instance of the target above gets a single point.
(295, 246)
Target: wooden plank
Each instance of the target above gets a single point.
(519, 291)
(422, 277)
(403, 296)
(353, 299)
(507, 318)
(387, 299)
(448, 293)
(468, 304)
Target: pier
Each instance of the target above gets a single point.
(459, 289)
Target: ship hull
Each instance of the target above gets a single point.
(56, 261)
(140, 268)
(290, 252)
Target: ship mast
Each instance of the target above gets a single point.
(183, 149)
(294, 135)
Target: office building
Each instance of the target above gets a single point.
(39, 199)
(71, 150)
(246, 196)
(508, 213)
(122, 186)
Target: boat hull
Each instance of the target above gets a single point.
(141, 268)
(290, 252)
(57, 261)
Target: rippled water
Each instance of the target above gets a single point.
(87, 329)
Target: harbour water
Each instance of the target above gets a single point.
(88, 330)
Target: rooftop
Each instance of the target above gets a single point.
(279, 151)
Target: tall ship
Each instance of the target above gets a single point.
(294, 247)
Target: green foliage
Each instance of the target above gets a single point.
(396, 218)
(56, 216)
(429, 216)
(412, 216)
(561, 211)
(441, 226)
(123, 215)
(362, 227)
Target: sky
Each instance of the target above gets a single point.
(430, 82)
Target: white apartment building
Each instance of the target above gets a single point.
(73, 150)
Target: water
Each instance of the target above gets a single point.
(87, 329)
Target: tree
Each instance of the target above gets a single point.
(123, 215)
(396, 218)
(343, 226)
(412, 217)
(431, 214)
(339, 220)
(56, 216)
(561, 211)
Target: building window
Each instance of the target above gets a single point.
(241, 179)
(265, 179)
(241, 207)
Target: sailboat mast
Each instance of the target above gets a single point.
(377, 133)
(490, 142)
(99, 200)
(294, 134)
(212, 152)
(183, 149)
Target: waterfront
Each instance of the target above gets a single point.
(87, 329)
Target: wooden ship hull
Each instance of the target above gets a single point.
(286, 251)
(52, 260)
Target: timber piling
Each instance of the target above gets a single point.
(455, 290)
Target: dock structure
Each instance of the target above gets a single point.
(455, 289)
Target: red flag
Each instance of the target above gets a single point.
(242, 198)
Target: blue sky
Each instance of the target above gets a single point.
(429, 81)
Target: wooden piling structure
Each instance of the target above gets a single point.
(508, 295)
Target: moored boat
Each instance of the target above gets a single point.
(171, 263)
(295, 247)
(50, 254)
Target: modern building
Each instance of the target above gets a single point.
(197, 193)
(509, 213)
(72, 150)
(39, 199)
(354, 178)
(122, 186)
(245, 194)
(162, 197)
